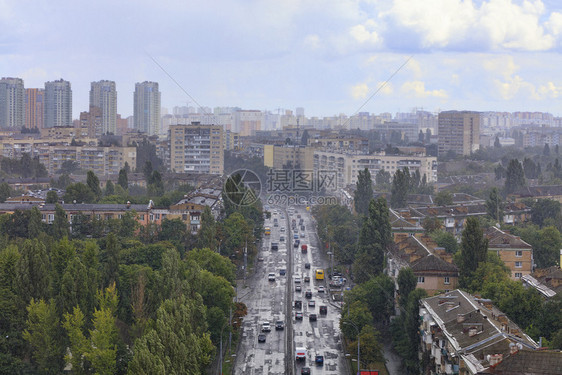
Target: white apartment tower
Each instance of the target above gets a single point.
(147, 108)
(104, 96)
(58, 104)
(12, 103)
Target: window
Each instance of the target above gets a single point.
(421, 279)
(518, 264)
(447, 280)
(518, 275)
(518, 253)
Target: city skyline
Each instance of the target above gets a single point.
(327, 57)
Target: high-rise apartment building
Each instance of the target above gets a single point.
(12, 103)
(147, 108)
(58, 104)
(459, 131)
(91, 122)
(104, 96)
(34, 108)
(196, 148)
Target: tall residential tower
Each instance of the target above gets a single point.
(196, 148)
(34, 108)
(459, 131)
(104, 96)
(147, 108)
(58, 103)
(12, 103)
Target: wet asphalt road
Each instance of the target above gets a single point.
(274, 300)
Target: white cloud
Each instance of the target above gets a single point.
(359, 91)
(366, 33)
(417, 89)
(462, 25)
(312, 41)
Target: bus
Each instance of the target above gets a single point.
(267, 231)
(319, 274)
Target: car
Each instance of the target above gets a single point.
(282, 272)
(298, 304)
(305, 371)
(271, 277)
(319, 360)
(282, 229)
(298, 315)
(296, 245)
(261, 337)
(296, 236)
(323, 310)
(302, 227)
(298, 216)
(298, 288)
(274, 246)
(307, 266)
(312, 317)
(308, 294)
(297, 280)
(320, 289)
(282, 239)
(311, 303)
(279, 325)
(307, 279)
(260, 259)
(265, 327)
(302, 235)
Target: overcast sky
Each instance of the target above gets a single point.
(327, 56)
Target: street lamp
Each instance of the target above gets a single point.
(358, 346)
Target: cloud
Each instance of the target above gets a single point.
(359, 91)
(417, 89)
(366, 33)
(312, 41)
(463, 25)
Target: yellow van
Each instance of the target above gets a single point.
(319, 274)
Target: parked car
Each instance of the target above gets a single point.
(319, 360)
(261, 337)
(312, 317)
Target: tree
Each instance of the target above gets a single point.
(497, 143)
(494, 205)
(74, 326)
(166, 349)
(407, 282)
(400, 187)
(207, 235)
(93, 183)
(305, 137)
(363, 192)
(474, 250)
(123, 179)
(547, 247)
(544, 209)
(155, 184)
(147, 170)
(109, 188)
(102, 352)
(79, 193)
(111, 259)
(443, 198)
(52, 197)
(445, 240)
(515, 178)
(430, 224)
(35, 224)
(546, 150)
(61, 227)
(5, 192)
(32, 276)
(42, 335)
(382, 178)
(213, 262)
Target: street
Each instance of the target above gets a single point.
(274, 300)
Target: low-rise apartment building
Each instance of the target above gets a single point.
(516, 254)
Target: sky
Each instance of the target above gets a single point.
(328, 56)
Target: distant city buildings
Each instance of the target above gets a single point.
(34, 108)
(103, 95)
(459, 132)
(147, 108)
(58, 104)
(12, 103)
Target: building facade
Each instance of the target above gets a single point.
(146, 109)
(515, 253)
(12, 103)
(103, 95)
(34, 108)
(58, 104)
(196, 148)
(459, 132)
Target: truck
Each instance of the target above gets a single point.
(300, 354)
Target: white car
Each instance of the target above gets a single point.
(265, 327)
(271, 277)
(320, 289)
(297, 280)
(302, 235)
(282, 229)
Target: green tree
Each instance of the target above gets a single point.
(207, 235)
(213, 262)
(363, 192)
(52, 197)
(79, 193)
(41, 333)
(547, 247)
(147, 170)
(400, 188)
(494, 205)
(474, 250)
(357, 313)
(32, 277)
(5, 192)
(443, 198)
(102, 353)
(93, 183)
(128, 224)
(515, 178)
(109, 188)
(382, 178)
(431, 224)
(177, 344)
(445, 240)
(74, 326)
(497, 143)
(371, 346)
(61, 227)
(407, 282)
(110, 259)
(35, 225)
(546, 150)
(155, 184)
(123, 179)
(544, 209)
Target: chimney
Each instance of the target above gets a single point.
(472, 331)
(513, 348)
(460, 318)
(494, 359)
(128, 204)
